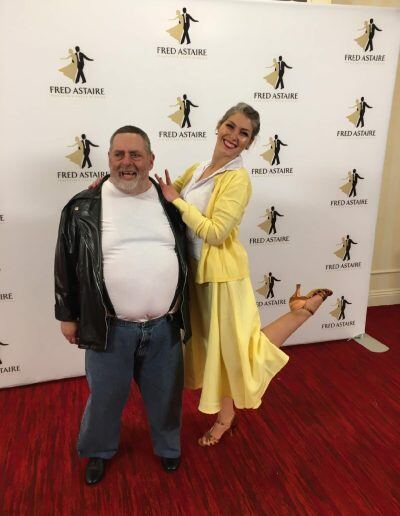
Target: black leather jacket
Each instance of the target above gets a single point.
(80, 291)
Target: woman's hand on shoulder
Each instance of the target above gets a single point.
(167, 187)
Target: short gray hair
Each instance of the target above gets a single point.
(133, 130)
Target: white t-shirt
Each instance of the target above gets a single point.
(199, 193)
(140, 264)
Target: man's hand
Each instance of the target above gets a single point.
(70, 330)
(167, 188)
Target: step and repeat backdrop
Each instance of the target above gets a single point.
(322, 78)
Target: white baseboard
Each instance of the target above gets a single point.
(390, 296)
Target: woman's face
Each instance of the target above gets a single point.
(234, 135)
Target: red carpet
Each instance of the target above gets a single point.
(325, 442)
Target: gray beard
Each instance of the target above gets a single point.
(124, 186)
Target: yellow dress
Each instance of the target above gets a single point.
(272, 78)
(354, 117)
(76, 156)
(341, 252)
(266, 225)
(177, 30)
(363, 39)
(268, 155)
(263, 290)
(177, 116)
(71, 69)
(228, 354)
(336, 311)
(346, 187)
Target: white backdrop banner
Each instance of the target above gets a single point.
(322, 78)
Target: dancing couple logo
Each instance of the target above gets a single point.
(182, 117)
(273, 156)
(275, 79)
(267, 291)
(340, 313)
(365, 42)
(357, 118)
(75, 71)
(181, 32)
(343, 253)
(81, 156)
(349, 188)
(269, 226)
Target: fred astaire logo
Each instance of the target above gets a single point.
(365, 44)
(81, 157)
(180, 33)
(276, 81)
(349, 187)
(7, 369)
(339, 313)
(269, 227)
(182, 118)
(343, 253)
(357, 118)
(75, 71)
(273, 156)
(267, 291)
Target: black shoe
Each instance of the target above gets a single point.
(169, 464)
(94, 470)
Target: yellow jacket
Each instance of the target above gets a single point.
(222, 258)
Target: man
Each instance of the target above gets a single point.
(80, 63)
(363, 105)
(274, 215)
(348, 243)
(342, 306)
(281, 70)
(86, 144)
(277, 148)
(186, 25)
(120, 285)
(271, 282)
(371, 33)
(354, 180)
(186, 111)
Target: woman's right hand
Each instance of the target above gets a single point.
(167, 187)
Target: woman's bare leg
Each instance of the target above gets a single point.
(280, 329)
(221, 425)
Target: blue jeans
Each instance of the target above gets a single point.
(151, 353)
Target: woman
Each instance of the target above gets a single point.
(229, 355)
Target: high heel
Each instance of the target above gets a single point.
(208, 439)
(296, 302)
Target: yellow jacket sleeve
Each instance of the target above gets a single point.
(226, 214)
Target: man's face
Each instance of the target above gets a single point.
(130, 163)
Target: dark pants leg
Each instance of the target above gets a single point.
(159, 374)
(110, 374)
(186, 120)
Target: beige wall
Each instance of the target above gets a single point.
(385, 276)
